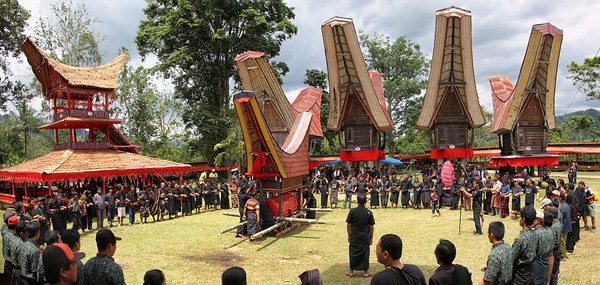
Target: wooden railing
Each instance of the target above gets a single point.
(80, 113)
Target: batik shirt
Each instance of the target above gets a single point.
(546, 240)
(6, 239)
(14, 244)
(499, 268)
(524, 249)
(556, 230)
(102, 270)
(30, 261)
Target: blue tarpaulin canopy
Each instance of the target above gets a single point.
(332, 162)
(392, 161)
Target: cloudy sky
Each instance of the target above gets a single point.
(500, 33)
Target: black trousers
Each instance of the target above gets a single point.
(477, 219)
(76, 217)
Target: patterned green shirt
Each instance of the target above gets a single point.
(557, 231)
(546, 240)
(14, 244)
(499, 268)
(30, 260)
(6, 237)
(102, 270)
(524, 249)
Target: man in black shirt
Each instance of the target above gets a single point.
(389, 251)
(476, 195)
(530, 192)
(360, 229)
(449, 273)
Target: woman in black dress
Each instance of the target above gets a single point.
(224, 189)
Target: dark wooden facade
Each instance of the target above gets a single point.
(359, 132)
(530, 134)
(450, 128)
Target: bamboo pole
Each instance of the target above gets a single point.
(301, 220)
(232, 227)
(318, 209)
(233, 214)
(267, 230)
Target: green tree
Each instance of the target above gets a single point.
(68, 34)
(137, 99)
(482, 136)
(196, 42)
(404, 69)
(586, 77)
(231, 150)
(583, 126)
(13, 20)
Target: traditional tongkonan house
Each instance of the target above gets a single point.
(276, 134)
(357, 106)
(524, 114)
(80, 98)
(451, 105)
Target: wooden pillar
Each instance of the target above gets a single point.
(26, 192)
(91, 133)
(13, 188)
(56, 136)
(106, 102)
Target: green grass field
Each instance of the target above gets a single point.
(190, 250)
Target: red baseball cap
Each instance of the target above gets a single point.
(13, 220)
(57, 255)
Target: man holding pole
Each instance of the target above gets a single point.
(476, 195)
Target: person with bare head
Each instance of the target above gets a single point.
(360, 226)
(389, 252)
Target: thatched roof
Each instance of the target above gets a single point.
(81, 164)
(537, 76)
(348, 75)
(309, 100)
(451, 68)
(257, 76)
(79, 122)
(102, 77)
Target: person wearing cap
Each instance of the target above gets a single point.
(525, 248)
(498, 269)
(60, 264)
(102, 269)
(546, 241)
(29, 256)
(213, 175)
(8, 240)
(516, 193)
(566, 223)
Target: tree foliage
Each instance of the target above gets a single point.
(196, 42)
(586, 77)
(329, 143)
(404, 69)
(482, 135)
(67, 34)
(13, 20)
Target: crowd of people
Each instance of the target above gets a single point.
(34, 252)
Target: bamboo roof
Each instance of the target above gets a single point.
(103, 77)
(258, 77)
(79, 122)
(451, 68)
(309, 100)
(348, 75)
(80, 164)
(537, 76)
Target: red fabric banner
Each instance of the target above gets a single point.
(362, 155)
(524, 161)
(451, 153)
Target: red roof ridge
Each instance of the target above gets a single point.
(249, 54)
(547, 28)
(377, 82)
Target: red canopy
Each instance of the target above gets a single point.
(524, 160)
(451, 153)
(362, 155)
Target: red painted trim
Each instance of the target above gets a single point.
(451, 153)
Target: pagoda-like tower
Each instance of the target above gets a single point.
(80, 98)
(357, 104)
(451, 106)
(523, 114)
